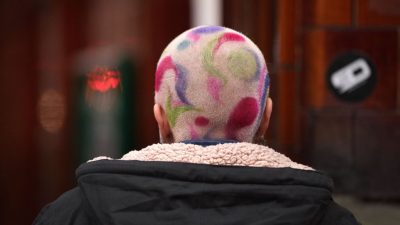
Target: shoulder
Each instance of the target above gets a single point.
(66, 209)
(336, 214)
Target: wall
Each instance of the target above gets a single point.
(356, 142)
(41, 43)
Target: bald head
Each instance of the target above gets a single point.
(211, 83)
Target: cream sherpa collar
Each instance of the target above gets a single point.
(229, 154)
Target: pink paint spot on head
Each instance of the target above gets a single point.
(164, 65)
(226, 38)
(177, 103)
(243, 115)
(214, 86)
(194, 36)
(201, 121)
(193, 133)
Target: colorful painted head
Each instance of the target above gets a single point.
(212, 82)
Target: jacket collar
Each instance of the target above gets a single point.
(206, 143)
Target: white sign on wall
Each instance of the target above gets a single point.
(351, 77)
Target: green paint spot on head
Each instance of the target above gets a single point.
(208, 60)
(242, 64)
(174, 112)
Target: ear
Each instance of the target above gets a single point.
(163, 125)
(265, 119)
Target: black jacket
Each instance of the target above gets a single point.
(152, 193)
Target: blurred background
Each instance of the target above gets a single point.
(77, 82)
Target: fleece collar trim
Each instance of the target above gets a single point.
(227, 154)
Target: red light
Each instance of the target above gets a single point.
(102, 79)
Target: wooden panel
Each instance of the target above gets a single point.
(378, 12)
(60, 36)
(321, 47)
(18, 94)
(314, 65)
(330, 148)
(327, 13)
(377, 136)
(287, 23)
(285, 111)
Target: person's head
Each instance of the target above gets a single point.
(211, 83)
